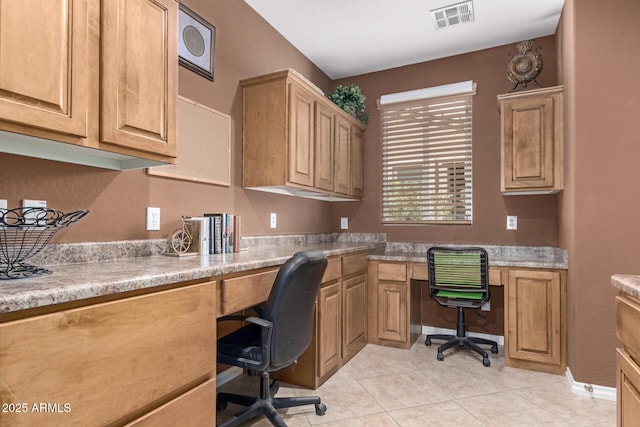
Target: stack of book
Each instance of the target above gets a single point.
(217, 233)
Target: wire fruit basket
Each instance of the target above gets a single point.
(24, 232)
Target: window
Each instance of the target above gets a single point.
(426, 155)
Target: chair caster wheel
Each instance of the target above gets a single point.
(427, 342)
(321, 408)
(440, 357)
(494, 349)
(221, 405)
(486, 361)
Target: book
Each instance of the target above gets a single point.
(216, 229)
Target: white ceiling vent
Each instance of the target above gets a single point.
(454, 14)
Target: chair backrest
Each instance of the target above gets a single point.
(458, 276)
(290, 306)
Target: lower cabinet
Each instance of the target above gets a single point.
(394, 305)
(143, 360)
(628, 361)
(340, 322)
(535, 320)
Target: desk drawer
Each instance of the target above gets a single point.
(495, 277)
(396, 271)
(245, 291)
(355, 263)
(627, 319)
(333, 270)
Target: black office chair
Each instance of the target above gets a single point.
(275, 339)
(458, 278)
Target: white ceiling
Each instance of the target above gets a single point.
(350, 37)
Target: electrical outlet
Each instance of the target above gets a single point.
(153, 219)
(512, 222)
(273, 218)
(344, 223)
(486, 306)
(3, 204)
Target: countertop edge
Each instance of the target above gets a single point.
(627, 283)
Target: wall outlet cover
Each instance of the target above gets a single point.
(153, 219)
(344, 223)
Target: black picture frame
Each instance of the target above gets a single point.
(196, 42)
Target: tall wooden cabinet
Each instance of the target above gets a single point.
(535, 320)
(340, 322)
(146, 359)
(91, 73)
(532, 141)
(297, 142)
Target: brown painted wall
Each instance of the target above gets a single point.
(246, 46)
(537, 215)
(599, 220)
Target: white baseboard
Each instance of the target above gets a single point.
(433, 330)
(590, 390)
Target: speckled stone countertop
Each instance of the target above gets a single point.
(76, 281)
(506, 256)
(627, 283)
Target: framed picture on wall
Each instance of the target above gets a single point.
(196, 42)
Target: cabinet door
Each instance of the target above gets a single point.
(342, 168)
(324, 154)
(357, 162)
(392, 311)
(628, 388)
(111, 360)
(533, 304)
(139, 90)
(354, 315)
(329, 328)
(44, 70)
(301, 135)
(531, 132)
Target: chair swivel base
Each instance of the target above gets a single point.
(266, 404)
(463, 341)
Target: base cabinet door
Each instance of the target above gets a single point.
(354, 315)
(329, 328)
(534, 313)
(628, 388)
(392, 312)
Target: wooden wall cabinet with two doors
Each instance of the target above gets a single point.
(99, 74)
(298, 142)
(340, 322)
(144, 358)
(532, 141)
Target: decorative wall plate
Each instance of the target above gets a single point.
(524, 67)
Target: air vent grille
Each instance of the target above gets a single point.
(458, 13)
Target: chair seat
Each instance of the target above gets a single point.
(460, 295)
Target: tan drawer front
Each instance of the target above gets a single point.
(627, 319)
(352, 264)
(495, 277)
(392, 271)
(245, 291)
(333, 271)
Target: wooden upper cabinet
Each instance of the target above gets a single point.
(342, 167)
(44, 66)
(324, 147)
(532, 139)
(357, 163)
(100, 74)
(139, 75)
(301, 136)
(296, 141)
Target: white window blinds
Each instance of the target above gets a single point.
(426, 156)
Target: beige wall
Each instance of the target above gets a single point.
(599, 210)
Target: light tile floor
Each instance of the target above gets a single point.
(383, 386)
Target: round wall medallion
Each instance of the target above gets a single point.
(193, 40)
(524, 67)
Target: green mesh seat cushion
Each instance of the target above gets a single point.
(464, 295)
